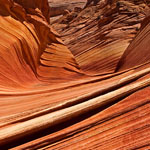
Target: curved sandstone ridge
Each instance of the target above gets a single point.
(90, 92)
(30, 50)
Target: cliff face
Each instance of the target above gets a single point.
(90, 91)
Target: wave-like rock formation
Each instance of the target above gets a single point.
(91, 91)
(103, 28)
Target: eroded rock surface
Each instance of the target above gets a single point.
(103, 28)
(91, 91)
(59, 7)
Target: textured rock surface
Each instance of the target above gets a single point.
(59, 8)
(110, 28)
(67, 3)
(90, 91)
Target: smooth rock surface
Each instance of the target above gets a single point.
(89, 91)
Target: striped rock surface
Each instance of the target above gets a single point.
(91, 91)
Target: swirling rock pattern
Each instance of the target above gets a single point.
(90, 91)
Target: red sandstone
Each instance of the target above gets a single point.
(89, 91)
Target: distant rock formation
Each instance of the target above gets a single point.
(90, 2)
(57, 11)
(59, 7)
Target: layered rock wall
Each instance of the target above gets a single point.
(93, 92)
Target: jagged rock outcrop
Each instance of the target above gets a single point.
(91, 91)
(110, 28)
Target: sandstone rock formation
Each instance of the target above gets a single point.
(109, 28)
(91, 91)
(59, 7)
